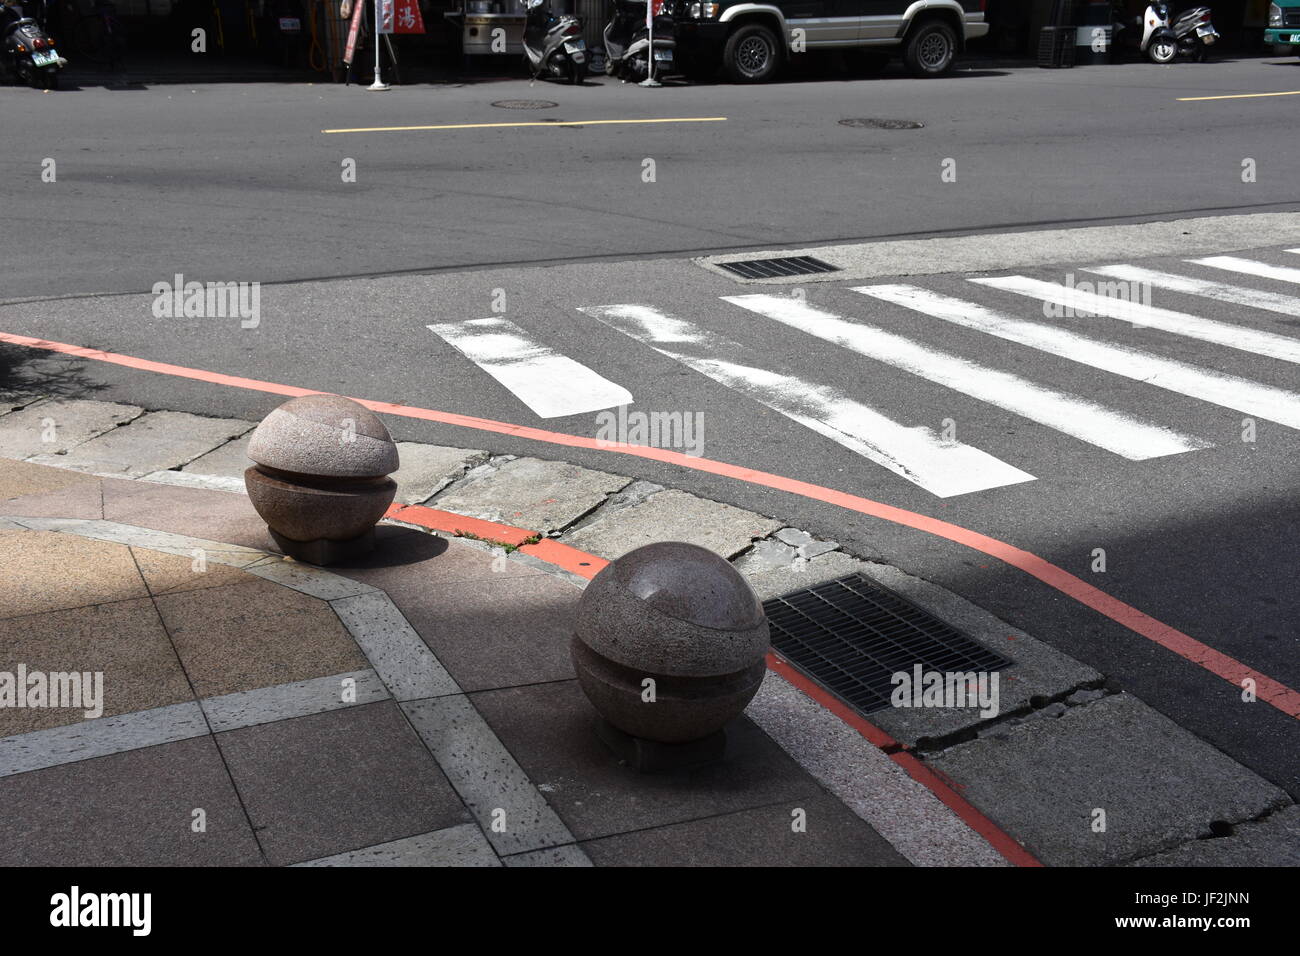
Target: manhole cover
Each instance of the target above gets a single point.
(774, 268)
(525, 104)
(852, 636)
(882, 124)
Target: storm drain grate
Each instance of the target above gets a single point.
(865, 123)
(850, 635)
(773, 268)
(525, 104)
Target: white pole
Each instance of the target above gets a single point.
(378, 85)
(650, 38)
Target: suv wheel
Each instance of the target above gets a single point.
(751, 54)
(931, 49)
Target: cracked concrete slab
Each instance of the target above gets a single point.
(671, 516)
(156, 441)
(56, 427)
(542, 496)
(225, 461)
(774, 568)
(1158, 785)
(1273, 841)
(427, 469)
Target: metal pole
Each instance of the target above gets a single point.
(650, 38)
(379, 84)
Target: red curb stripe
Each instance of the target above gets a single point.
(1231, 670)
(563, 556)
(453, 523)
(843, 711)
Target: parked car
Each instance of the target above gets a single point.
(750, 39)
(1284, 24)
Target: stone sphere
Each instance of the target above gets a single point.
(683, 616)
(325, 436)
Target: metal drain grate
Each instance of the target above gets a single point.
(772, 268)
(850, 635)
(525, 104)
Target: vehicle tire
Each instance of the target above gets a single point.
(46, 79)
(577, 72)
(931, 50)
(1162, 51)
(751, 55)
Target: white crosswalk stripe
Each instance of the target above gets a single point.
(1228, 391)
(1250, 267)
(1071, 414)
(1178, 323)
(1221, 291)
(551, 384)
(944, 468)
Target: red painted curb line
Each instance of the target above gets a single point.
(1221, 665)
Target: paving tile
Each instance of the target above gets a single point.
(306, 578)
(123, 641)
(215, 515)
(462, 845)
(284, 701)
(406, 559)
(672, 516)
(427, 469)
(764, 836)
(404, 662)
(165, 573)
(326, 784)
(153, 442)
(571, 855)
(225, 461)
(1159, 785)
(255, 634)
(47, 571)
(82, 500)
(66, 423)
(96, 738)
(496, 631)
(129, 809)
(19, 478)
(549, 728)
(530, 493)
(1273, 841)
(513, 814)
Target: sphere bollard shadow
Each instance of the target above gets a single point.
(669, 646)
(320, 479)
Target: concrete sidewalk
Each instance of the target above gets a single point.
(361, 715)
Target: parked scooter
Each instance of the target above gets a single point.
(627, 41)
(553, 45)
(1162, 42)
(26, 53)
(1195, 33)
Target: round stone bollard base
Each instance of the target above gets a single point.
(652, 756)
(324, 552)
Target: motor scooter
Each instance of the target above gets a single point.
(553, 44)
(1195, 33)
(27, 55)
(628, 41)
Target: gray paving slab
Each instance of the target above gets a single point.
(54, 427)
(1273, 841)
(217, 552)
(550, 729)
(541, 496)
(863, 777)
(403, 661)
(514, 816)
(774, 568)
(170, 805)
(462, 845)
(329, 783)
(672, 516)
(763, 836)
(225, 461)
(155, 441)
(263, 705)
(1158, 785)
(427, 469)
(185, 479)
(572, 855)
(308, 579)
(97, 738)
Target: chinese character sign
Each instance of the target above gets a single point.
(400, 16)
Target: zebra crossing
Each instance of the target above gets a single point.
(553, 385)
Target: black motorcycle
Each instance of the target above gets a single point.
(553, 44)
(628, 41)
(27, 55)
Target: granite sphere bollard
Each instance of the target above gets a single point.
(669, 646)
(320, 481)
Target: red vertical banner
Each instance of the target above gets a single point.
(407, 17)
(353, 30)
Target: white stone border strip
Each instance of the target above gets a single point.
(461, 845)
(265, 705)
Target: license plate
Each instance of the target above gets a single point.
(1206, 32)
(40, 58)
(661, 55)
(575, 46)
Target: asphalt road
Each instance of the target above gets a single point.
(239, 183)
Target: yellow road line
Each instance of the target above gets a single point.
(394, 129)
(1235, 96)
